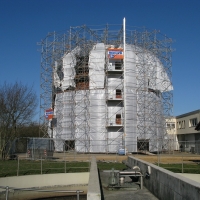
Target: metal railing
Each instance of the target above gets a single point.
(24, 166)
(8, 189)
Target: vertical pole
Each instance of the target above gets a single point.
(77, 192)
(41, 165)
(70, 32)
(65, 156)
(18, 166)
(158, 154)
(124, 42)
(141, 182)
(182, 164)
(7, 190)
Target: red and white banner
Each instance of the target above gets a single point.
(114, 53)
(49, 113)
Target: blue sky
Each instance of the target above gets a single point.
(23, 23)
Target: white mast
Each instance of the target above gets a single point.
(124, 42)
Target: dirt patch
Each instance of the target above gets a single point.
(170, 158)
(175, 157)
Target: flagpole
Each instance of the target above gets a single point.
(124, 43)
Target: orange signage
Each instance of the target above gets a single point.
(49, 113)
(114, 53)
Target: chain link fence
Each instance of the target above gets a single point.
(49, 148)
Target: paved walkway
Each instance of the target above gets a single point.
(194, 177)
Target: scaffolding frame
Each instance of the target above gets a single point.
(153, 107)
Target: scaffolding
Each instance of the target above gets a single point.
(107, 90)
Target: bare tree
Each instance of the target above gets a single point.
(18, 103)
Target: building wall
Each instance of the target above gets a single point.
(182, 134)
(172, 134)
(184, 123)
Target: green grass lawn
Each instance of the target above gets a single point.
(187, 168)
(28, 167)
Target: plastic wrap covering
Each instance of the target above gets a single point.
(115, 83)
(115, 141)
(151, 125)
(97, 125)
(163, 82)
(97, 121)
(64, 114)
(96, 66)
(149, 110)
(153, 68)
(57, 82)
(82, 123)
(69, 62)
(130, 100)
(114, 110)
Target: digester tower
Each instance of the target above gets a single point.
(108, 89)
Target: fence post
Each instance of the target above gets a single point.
(7, 190)
(74, 155)
(65, 159)
(18, 166)
(116, 157)
(41, 165)
(182, 164)
(158, 156)
(77, 192)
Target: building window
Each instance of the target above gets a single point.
(170, 125)
(193, 122)
(118, 93)
(179, 125)
(118, 65)
(186, 144)
(173, 125)
(118, 119)
(183, 124)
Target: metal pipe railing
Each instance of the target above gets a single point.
(7, 188)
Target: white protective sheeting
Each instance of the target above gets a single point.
(96, 66)
(69, 62)
(90, 121)
(163, 82)
(149, 88)
(130, 100)
(112, 112)
(114, 83)
(56, 79)
(63, 112)
(89, 116)
(153, 68)
(82, 121)
(115, 141)
(98, 130)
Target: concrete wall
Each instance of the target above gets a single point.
(166, 185)
(94, 192)
(56, 181)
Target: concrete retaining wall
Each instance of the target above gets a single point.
(166, 185)
(91, 179)
(94, 192)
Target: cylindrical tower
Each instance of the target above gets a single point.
(101, 103)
